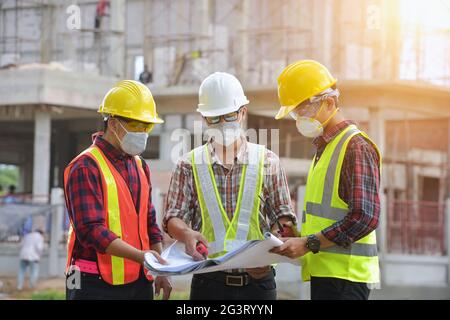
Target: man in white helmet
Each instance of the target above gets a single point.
(226, 192)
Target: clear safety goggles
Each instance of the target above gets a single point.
(310, 107)
(308, 110)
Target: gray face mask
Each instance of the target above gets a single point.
(133, 143)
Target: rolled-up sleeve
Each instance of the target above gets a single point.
(276, 191)
(86, 208)
(179, 202)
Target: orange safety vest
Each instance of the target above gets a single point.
(121, 218)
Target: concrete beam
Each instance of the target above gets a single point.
(421, 100)
(52, 87)
(82, 91)
(41, 161)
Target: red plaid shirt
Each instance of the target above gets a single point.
(358, 187)
(85, 200)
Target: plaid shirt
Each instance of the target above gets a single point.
(85, 200)
(182, 201)
(358, 187)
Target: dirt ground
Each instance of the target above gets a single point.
(54, 289)
(51, 286)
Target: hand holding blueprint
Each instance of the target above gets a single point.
(252, 254)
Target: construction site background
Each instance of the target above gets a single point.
(58, 59)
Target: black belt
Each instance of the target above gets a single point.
(240, 279)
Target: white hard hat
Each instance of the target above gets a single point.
(220, 93)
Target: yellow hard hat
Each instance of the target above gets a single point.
(130, 99)
(300, 81)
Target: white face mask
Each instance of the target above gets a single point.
(133, 143)
(227, 132)
(309, 127)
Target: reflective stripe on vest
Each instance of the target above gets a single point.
(130, 226)
(358, 262)
(117, 263)
(222, 234)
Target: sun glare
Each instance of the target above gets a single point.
(426, 14)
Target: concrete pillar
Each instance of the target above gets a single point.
(146, 43)
(447, 237)
(377, 127)
(377, 133)
(242, 72)
(117, 39)
(41, 164)
(388, 67)
(327, 32)
(21, 185)
(158, 203)
(57, 202)
(304, 290)
(47, 23)
(322, 16)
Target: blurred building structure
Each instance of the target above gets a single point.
(390, 57)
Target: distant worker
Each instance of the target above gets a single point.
(30, 255)
(11, 197)
(341, 204)
(146, 76)
(100, 12)
(222, 192)
(108, 196)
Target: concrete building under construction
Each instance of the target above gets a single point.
(58, 59)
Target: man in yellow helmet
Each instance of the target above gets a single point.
(341, 205)
(108, 197)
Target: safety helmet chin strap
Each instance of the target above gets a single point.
(329, 118)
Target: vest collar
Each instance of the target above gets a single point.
(323, 140)
(241, 156)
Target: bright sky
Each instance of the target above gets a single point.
(432, 19)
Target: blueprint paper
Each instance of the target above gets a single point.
(252, 254)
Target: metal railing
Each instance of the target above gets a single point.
(416, 227)
(23, 213)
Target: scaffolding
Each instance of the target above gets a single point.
(33, 31)
(184, 40)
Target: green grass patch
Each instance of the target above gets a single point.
(48, 295)
(175, 295)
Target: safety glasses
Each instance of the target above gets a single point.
(229, 117)
(306, 109)
(136, 126)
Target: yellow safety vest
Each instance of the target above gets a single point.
(323, 207)
(222, 234)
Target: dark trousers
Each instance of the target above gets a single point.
(93, 287)
(338, 289)
(216, 286)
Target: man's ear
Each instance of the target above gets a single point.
(244, 112)
(109, 125)
(331, 103)
(112, 125)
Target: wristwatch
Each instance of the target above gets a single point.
(313, 243)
